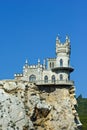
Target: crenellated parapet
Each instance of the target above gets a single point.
(18, 75)
(63, 48)
(38, 65)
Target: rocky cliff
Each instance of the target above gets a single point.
(25, 106)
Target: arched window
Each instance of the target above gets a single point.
(46, 79)
(68, 77)
(61, 62)
(52, 64)
(61, 77)
(53, 78)
(32, 78)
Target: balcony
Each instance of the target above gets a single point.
(70, 69)
(56, 82)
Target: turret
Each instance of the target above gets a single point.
(63, 51)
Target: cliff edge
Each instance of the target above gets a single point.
(25, 106)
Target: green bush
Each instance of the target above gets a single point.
(82, 111)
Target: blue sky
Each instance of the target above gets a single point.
(28, 29)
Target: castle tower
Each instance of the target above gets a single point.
(62, 66)
(63, 52)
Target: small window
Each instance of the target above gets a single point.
(46, 79)
(61, 62)
(68, 77)
(61, 77)
(52, 64)
(53, 78)
(32, 78)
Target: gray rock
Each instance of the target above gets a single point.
(24, 107)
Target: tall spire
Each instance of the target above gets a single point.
(57, 39)
(39, 62)
(67, 39)
(26, 62)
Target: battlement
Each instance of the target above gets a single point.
(63, 47)
(38, 65)
(18, 75)
(66, 43)
(33, 66)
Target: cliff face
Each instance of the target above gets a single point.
(25, 106)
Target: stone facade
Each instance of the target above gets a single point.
(53, 69)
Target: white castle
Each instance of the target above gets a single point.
(53, 71)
